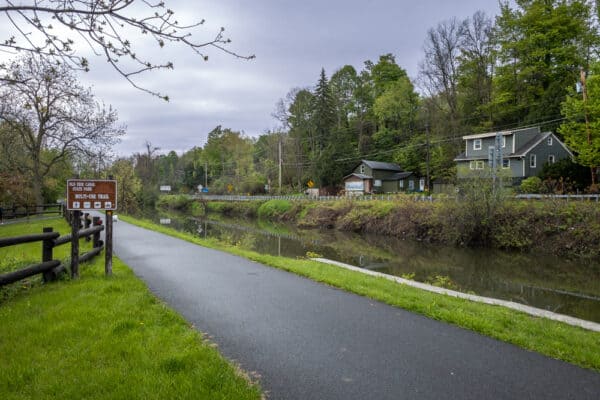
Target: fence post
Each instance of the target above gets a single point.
(108, 249)
(47, 246)
(96, 236)
(75, 221)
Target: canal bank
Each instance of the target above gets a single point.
(536, 312)
(558, 227)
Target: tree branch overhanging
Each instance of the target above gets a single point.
(102, 24)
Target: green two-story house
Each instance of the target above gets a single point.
(381, 177)
(524, 152)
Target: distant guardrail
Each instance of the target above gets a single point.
(385, 197)
(566, 197)
(217, 197)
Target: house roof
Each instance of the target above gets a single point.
(360, 176)
(521, 151)
(382, 165)
(491, 134)
(398, 176)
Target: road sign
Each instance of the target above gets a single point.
(230, 188)
(91, 194)
(310, 183)
(205, 190)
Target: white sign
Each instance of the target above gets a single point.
(354, 185)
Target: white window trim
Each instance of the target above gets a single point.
(479, 165)
(471, 164)
(549, 141)
(401, 183)
(503, 141)
(532, 161)
(475, 142)
(551, 158)
(411, 185)
(362, 168)
(507, 163)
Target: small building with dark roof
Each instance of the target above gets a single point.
(381, 177)
(524, 152)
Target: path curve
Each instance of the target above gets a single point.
(311, 341)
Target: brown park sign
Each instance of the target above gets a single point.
(91, 194)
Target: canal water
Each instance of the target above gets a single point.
(543, 281)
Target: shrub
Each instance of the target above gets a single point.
(533, 184)
(274, 208)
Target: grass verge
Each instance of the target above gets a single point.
(103, 338)
(551, 338)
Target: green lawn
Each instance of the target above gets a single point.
(101, 337)
(554, 339)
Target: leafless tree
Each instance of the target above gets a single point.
(53, 116)
(439, 69)
(476, 57)
(111, 28)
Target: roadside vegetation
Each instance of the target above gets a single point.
(98, 337)
(570, 229)
(554, 339)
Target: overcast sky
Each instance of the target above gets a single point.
(292, 41)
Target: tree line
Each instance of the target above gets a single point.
(534, 64)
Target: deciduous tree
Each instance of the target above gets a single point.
(47, 109)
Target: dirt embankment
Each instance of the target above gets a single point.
(566, 229)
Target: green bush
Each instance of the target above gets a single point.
(274, 208)
(533, 184)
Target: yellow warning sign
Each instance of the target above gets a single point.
(310, 183)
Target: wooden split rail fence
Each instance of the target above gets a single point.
(21, 211)
(49, 267)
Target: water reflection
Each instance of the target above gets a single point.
(567, 287)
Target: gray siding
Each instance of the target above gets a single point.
(542, 151)
(366, 170)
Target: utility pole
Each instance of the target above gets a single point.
(206, 174)
(427, 183)
(587, 118)
(280, 163)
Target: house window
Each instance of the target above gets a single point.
(532, 161)
(411, 185)
(503, 141)
(479, 164)
(377, 182)
(551, 159)
(550, 141)
(362, 169)
(477, 144)
(472, 165)
(401, 182)
(505, 163)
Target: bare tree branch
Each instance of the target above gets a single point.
(103, 25)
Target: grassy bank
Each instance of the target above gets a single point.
(569, 229)
(99, 338)
(551, 338)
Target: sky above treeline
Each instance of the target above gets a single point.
(292, 40)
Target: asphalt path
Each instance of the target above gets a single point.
(309, 341)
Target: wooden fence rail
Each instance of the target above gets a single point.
(16, 211)
(50, 268)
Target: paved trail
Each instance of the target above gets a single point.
(310, 341)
